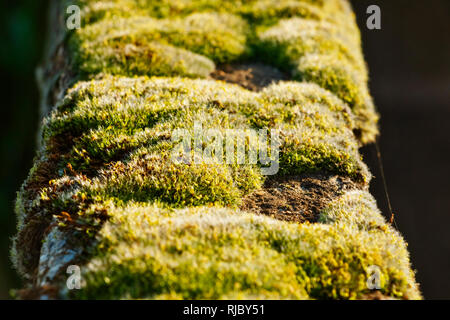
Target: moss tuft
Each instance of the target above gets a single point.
(320, 52)
(147, 46)
(107, 127)
(147, 251)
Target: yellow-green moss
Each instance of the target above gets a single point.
(263, 11)
(146, 46)
(110, 118)
(320, 52)
(121, 130)
(148, 251)
(317, 41)
(171, 230)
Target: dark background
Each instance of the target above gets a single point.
(409, 62)
(22, 29)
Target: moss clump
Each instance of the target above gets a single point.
(355, 208)
(261, 12)
(121, 131)
(269, 11)
(148, 251)
(317, 130)
(144, 113)
(317, 41)
(339, 77)
(94, 11)
(321, 52)
(152, 58)
(147, 46)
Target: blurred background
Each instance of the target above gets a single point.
(409, 62)
(22, 30)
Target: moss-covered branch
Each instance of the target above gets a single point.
(105, 194)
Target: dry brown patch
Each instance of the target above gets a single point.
(297, 198)
(252, 76)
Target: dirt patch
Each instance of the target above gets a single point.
(252, 76)
(297, 198)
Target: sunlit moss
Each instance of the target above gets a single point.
(317, 40)
(172, 230)
(186, 46)
(144, 112)
(147, 251)
(121, 132)
(320, 52)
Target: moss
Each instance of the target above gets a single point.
(355, 208)
(318, 40)
(257, 10)
(317, 130)
(122, 130)
(107, 127)
(147, 251)
(297, 37)
(157, 177)
(94, 11)
(147, 46)
(320, 52)
(269, 12)
(262, 11)
(339, 77)
(130, 59)
(122, 140)
(319, 158)
(172, 230)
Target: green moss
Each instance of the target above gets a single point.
(156, 178)
(171, 230)
(318, 40)
(340, 77)
(325, 158)
(256, 10)
(121, 131)
(293, 38)
(94, 11)
(147, 46)
(151, 58)
(147, 251)
(355, 208)
(144, 113)
(269, 12)
(322, 53)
